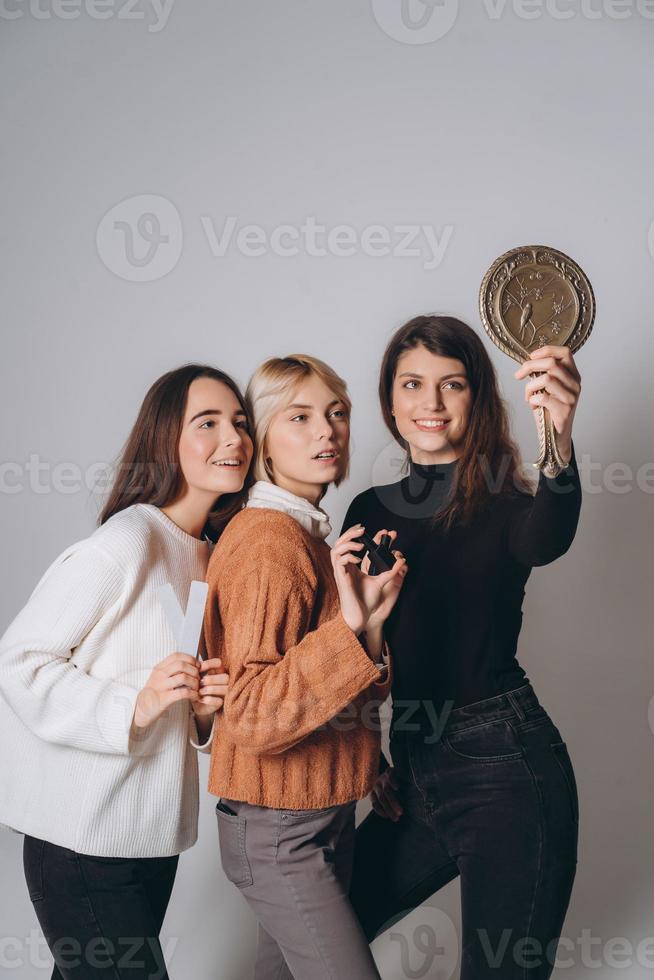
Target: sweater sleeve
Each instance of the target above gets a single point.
(381, 688)
(194, 735)
(287, 679)
(39, 678)
(544, 527)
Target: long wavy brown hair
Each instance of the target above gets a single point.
(148, 470)
(490, 462)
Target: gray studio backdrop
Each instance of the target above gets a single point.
(227, 181)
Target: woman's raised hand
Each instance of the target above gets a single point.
(366, 600)
(557, 390)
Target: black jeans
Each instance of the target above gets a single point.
(494, 800)
(101, 916)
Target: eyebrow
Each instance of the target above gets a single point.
(214, 411)
(414, 374)
(336, 401)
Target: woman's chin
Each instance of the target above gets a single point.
(228, 482)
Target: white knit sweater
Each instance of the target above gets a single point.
(71, 666)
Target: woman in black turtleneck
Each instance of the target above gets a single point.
(481, 785)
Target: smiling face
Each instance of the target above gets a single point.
(215, 447)
(307, 443)
(431, 400)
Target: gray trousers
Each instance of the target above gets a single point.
(293, 867)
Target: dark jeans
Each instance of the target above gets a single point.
(494, 800)
(100, 916)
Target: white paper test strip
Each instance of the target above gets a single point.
(192, 625)
(168, 599)
(186, 626)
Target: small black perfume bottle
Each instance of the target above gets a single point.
(381, 557)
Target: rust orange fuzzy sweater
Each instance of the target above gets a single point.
(300, 725)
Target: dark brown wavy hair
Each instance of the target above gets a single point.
(148, 470)
(490, 462)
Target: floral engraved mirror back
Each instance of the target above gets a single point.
(533, 296)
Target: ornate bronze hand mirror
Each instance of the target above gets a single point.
(531, 297)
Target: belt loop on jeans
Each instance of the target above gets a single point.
(517, 707)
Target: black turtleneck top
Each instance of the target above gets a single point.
(453, 634)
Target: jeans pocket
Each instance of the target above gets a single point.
(231, 838)
(298, 816)
(33, 866)
(562, 756)
(491, 742)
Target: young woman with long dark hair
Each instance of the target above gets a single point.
(481, 785)
(99, 768)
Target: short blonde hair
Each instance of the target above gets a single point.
(272, 386)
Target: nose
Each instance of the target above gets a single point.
(435, 401)
(233, 436)
(323, 429)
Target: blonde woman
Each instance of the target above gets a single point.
(299, 629)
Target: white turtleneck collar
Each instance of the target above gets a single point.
(313, 519)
